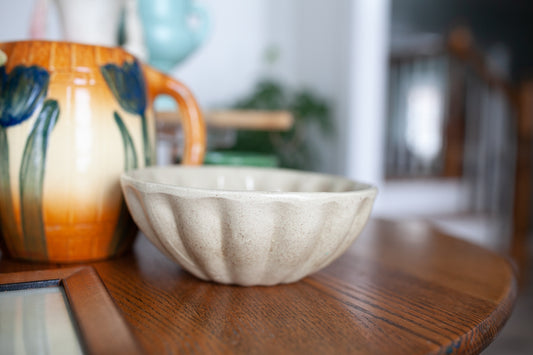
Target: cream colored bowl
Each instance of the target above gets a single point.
(247, 226)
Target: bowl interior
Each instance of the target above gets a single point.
(244, 179)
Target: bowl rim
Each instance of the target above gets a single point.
(361, 189)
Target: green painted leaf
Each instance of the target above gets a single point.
(146, 142)
(3, 58)
(7, 215)
(130, 154)
(32, 178)
(125, 226)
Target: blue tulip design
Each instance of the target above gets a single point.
(127, 84)
(21, 92)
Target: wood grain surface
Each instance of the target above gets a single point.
(402, 288)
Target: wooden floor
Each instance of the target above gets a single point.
(516, 337)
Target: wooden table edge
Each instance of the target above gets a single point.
(490, 326)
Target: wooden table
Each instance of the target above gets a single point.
(402, 288)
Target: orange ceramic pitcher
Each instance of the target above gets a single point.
(73, 117)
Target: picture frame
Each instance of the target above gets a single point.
(99, 325)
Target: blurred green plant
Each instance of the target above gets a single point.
(294, 148)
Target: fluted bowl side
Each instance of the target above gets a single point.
(247, 226)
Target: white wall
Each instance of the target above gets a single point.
(227, 66)
(15, 19)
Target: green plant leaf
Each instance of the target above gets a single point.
(32, 178)
(267, 95)
(291, 147)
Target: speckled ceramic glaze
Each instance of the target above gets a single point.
(247, 226)
(72, 118)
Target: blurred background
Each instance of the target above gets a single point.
(432, 101)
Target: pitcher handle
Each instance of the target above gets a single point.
(191, 116)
